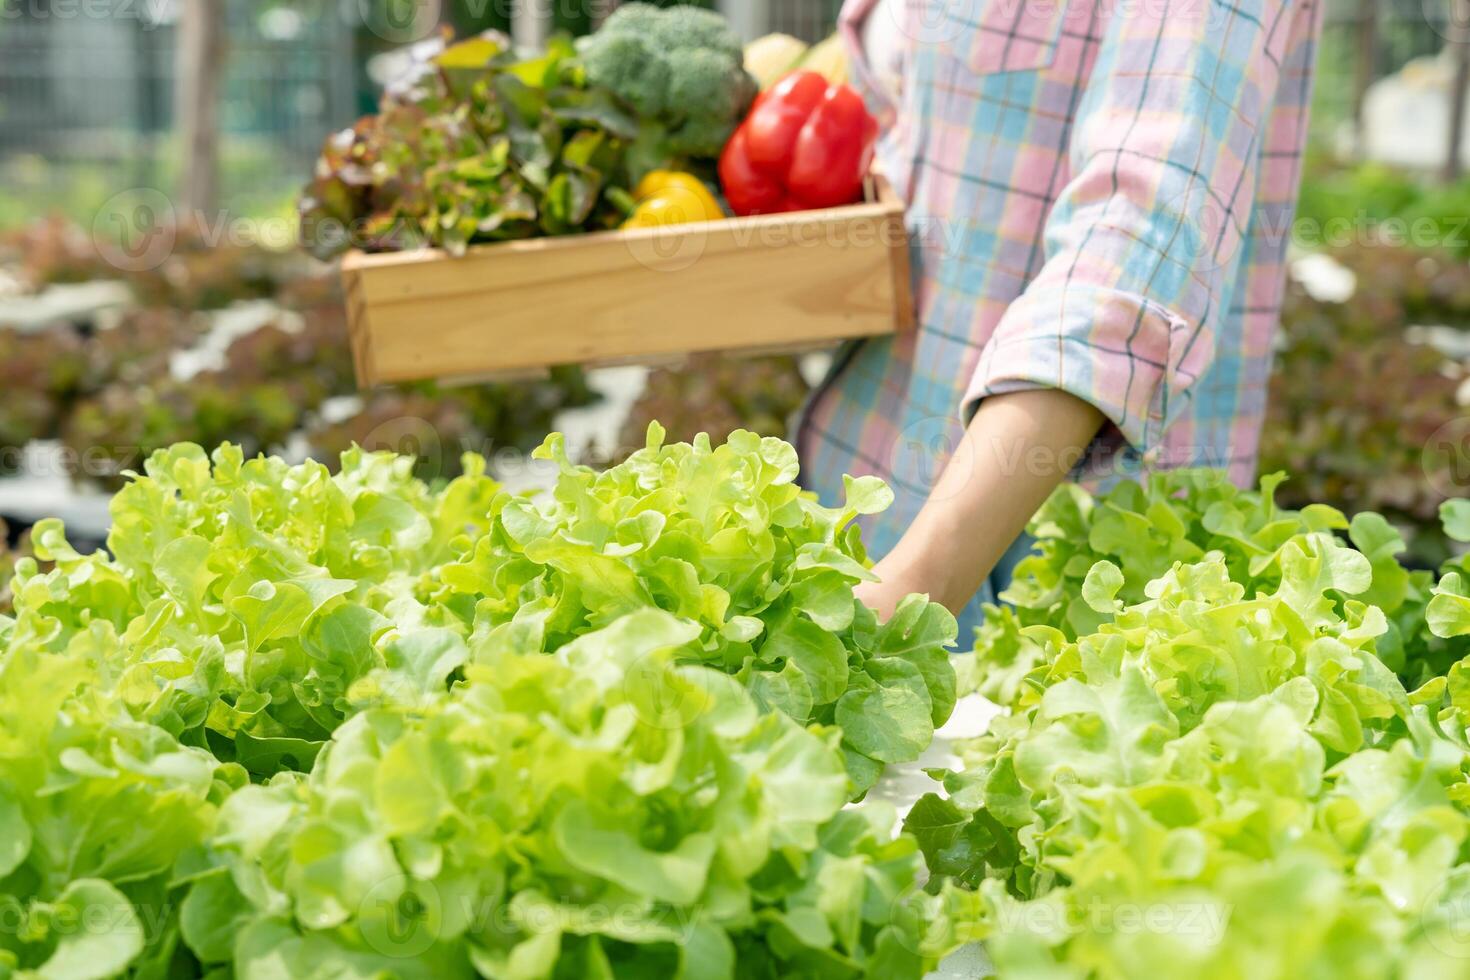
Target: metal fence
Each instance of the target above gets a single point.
(810, 20)
(87, 92)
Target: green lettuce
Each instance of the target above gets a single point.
(604, 811)
(296, 723)
(723, 536)
(1212, 770)
(245, 598)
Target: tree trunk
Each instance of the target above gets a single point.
(530, 24)
(1367, 63)
(748, 18)
(200, 62)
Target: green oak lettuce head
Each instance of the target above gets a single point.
(1221, 776)
(244, 599)
(297, 723)
(724, 537)
(601, 811)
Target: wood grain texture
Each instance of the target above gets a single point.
(738, 284)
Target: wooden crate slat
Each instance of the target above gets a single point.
(737, 284)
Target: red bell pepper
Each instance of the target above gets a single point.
(805, 144)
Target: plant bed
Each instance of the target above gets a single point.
(614, 730)
(614, 748)
(751, 284)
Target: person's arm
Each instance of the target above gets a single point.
(1016, 450)
(1143, 246)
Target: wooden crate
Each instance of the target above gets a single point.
(742, 284)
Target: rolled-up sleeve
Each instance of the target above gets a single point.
(1144, 240)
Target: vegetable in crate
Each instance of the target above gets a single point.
(666, 197)
(769, 58)
(477, 146)
(806, 144)
(828, 58)
(680, 70)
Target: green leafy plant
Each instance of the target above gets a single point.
(602, 812)
(1226, 763)
(275, 729)
(477, 145)
(722, 535)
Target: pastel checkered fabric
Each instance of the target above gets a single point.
(1099, 199)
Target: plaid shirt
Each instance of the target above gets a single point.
(1099, 200)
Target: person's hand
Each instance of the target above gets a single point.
(898, 579)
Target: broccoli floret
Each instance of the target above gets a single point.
(699, 28)
(701, 81)
(621, 63)
(697, 138)
(679, 67)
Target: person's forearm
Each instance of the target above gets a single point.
(1017, 449)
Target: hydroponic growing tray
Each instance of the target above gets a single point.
(766, 282)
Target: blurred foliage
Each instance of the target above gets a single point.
(198, 275)
(718, 393)
(53, 250)
(1376, 204)
(254, 184)
(1360, 404)
(108, 391)
(39, 373)
(408, 421)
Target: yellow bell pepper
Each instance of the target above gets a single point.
(667, 197)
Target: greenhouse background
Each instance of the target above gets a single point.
(87, 103)
(122, 119)
(416, 561)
